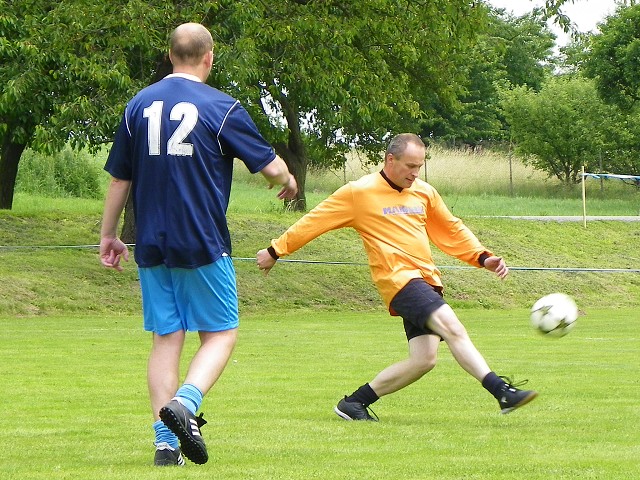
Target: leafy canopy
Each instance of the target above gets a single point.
(614, 59)
(562, 127)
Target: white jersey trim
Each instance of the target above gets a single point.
(226, 115)
(187, 76)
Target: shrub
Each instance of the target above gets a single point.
(68, 173)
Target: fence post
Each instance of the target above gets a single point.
(584, 200)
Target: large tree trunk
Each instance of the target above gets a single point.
(9, 159)
(294, 154)
(128, 233)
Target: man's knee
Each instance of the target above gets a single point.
(423, 363)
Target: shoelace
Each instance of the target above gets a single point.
(511, 383)
(368, 407)
(200, 421)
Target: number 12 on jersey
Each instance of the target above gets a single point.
(183, 112)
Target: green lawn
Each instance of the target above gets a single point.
(73, 354)
(75, 402)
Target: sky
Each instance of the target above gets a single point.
(585, 14)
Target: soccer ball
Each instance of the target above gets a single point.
(554, 315)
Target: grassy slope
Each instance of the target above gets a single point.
(64, 281)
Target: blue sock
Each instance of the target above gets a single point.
(190, 396)
(163, 434)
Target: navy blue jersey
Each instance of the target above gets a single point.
(176, 143)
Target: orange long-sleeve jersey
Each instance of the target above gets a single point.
(395, 227)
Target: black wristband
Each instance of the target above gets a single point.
(272, 252)
(482, 258)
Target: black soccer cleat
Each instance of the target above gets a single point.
(166, 456)
(511, 397)
(186, 426)
(354, 411)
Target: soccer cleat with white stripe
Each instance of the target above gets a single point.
(186, 426)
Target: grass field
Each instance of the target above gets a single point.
(73, 353)
(75, 404)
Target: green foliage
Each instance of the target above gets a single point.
(339, 72)
(69, 172)
(335, 74)
(528, 50)
(67, 68)
(615, 57)
(61, 74)
(342, 63)
(563, 126)
(507, 51)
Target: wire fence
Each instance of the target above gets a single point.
(337, 262)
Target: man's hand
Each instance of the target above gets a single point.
(289, 190)
(265, 261)
(497, 265)
(112, 250)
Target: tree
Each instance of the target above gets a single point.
(614, 58)
(562, 127)
(66, 70)
(328, 76)
(509, 51)
(319, 76)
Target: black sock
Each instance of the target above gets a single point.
(493, 383)
(365, 395)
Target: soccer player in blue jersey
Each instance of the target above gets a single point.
(174, 153)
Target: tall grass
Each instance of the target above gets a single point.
(68, 173)
(485, 183)
(488, 183)
(455, 171)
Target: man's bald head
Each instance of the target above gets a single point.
(189, 43)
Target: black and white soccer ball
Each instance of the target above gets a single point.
(554, 315)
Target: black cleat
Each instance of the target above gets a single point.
(354, 411)
(186, 426)
(511, 397)
(167, 455)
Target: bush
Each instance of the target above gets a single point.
(69, 173)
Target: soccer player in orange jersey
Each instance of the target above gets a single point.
(397, 215)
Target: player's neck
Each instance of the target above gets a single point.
(196, 72)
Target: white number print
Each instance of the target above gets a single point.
(154, 114)
(184, 112)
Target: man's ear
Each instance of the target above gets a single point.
(209, 60)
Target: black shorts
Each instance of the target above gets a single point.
(415, 303)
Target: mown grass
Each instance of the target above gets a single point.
(79, 409)
(73, 353)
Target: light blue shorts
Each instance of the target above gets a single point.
(201, 299)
